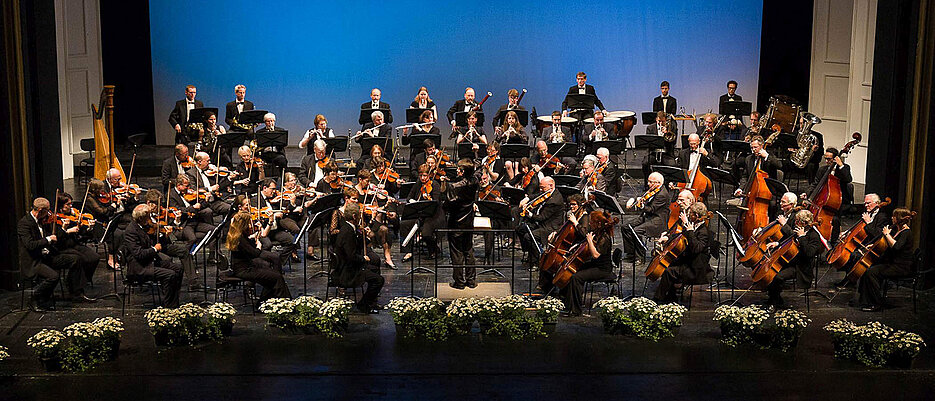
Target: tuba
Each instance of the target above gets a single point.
(806, 140)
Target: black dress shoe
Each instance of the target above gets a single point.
(472, 284)
(457, 286)
(312, 256)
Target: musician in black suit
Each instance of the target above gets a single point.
(239, 105)
(599, 130)
(693, 265)
(375, 104)
(896, 261)
(875, 220)
(556, 133)
(809, 243)
(178, 118)
(653, 208)
(731, 95)
(272, 155)
(279, 235)
(664, 102)
(251, 263)
(842, 171)
(352, 266)
(768, 163)
(39, 257)
(608, 169)
(462, 105)
(192, 230)
(378, 128)
(216, 185)
(175, 165)
(662, 127)
(311, 170)
(582, 88)
(145, 262)
(544, 215)
(422, 192)
(249, 173)
(694, 155)
(459, 205)
(512, 104)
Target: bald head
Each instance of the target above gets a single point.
(547, 184)
(655, 180)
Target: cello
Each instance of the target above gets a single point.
(564, 239)
(754, 249)
(869, 255)
(668, 254)
(825, 199)
(852, 242)
(769, 267)
(578, 255)
(756, 212)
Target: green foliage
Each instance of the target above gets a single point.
(753, 325)
(873, 344)
(79, 346)
(640, 317)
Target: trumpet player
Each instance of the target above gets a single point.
(239, 105)
(599, 130)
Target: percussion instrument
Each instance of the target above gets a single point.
(627, 119)
(784, 111)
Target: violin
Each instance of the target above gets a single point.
(132, 189)
(76, 217)
(426, 191)
(488, 192)
(535, 203)
(192, 196)
(217, 171)
(264, 213)
(253, 163)
(388, 175)
(187, 163)
(323, 162)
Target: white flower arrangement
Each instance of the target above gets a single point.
(335, 309)
(222, 312)
(4, 352)
(749, 317)
(308, 314)
(79, 346)
(83, 330)
(162, 318)
(277, 306)
(640, 317)
(751, 324)
(548, 308)
(109, 325)
(191, 311)
(45, 341)
(791, 319)
(874, 344)
(669, 314)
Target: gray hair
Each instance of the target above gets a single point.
(240, 87)
(269, 115)
(375, 114)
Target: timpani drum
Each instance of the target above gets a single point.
(784, 111)
(543, 122)
(625, 123)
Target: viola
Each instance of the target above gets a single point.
(535, 203)
(264, 213)
(192, 196)
(74, 216)
(187, 163)
(132, 189)
(387, 175)
(426, 191)
(323, 162)
(527, 178)
(217, 171)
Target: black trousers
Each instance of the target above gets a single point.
(461, 247)
(574, 292)
(426, 230)
(870, 285)
(265, 271)
(87, 260)
(532, 241)
(374, 285)
(170, 276)
(802, 274)
(282, 238)
(48, 272)
(673, 275)
(640, 227)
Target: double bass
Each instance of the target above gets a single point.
(756, 212)
(852, 242)
(698, 183)
(825, 199)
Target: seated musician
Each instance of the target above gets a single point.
(543, 215)
(113, 181)
(233, 109)
(417, 159)
(272, 155)
(493, 164)
(179, 163)
(370, 200)
(787, 210)
(733, 130)
(146, 260)
(319, 133)
(486, 191)
(375, 104)
(758, 157)
(462, 106)
(692, 266)
(71, 241)
(104, 210)
(216, 186)
(512, 104)
(895, 262)
(375, 151)
(40, 258)
(754, 128)
(278, 234)
(472, 133)
(653, 209)
(842, 171)
(511, 131)
(249, 172)
(662, 127)
(188, 230)
(582, 88)
(599, 130)
(423, 101)
(427, 189)
(331, 182)
(312, 167)
(525, 178)
(353, 266)
(576, 205)
(591, 180)
(544, 163)
(426, 126)
(599, 266)
(875, 220)
(379, 128)
(178, 118)
(809, 244)
(695, 156)
(664, 102)
(458, 197)
(685, 199)
(557, 133)
(208, 138)
(608, 169)
(250, 262)
(294, 205)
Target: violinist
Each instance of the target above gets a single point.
(591, 180)
(426, 190)
(250, 262)
(40, 257)
(372, 217)
(556, 133)
(582, 226)
(178, 246)
(113, 185)
(431, 151)
(547, 164)
(145, 260)
(692, 266)
(459, 198)
(353, 266)
(512, 104)
(472, 133)
(250, 171)
(809, 244)
(493, 164)
(653, 209)
(426, 127)
(895, 262)
(608, 169)
(511, 131)
(364, 161)
(385, 177)
(525, 178)
(292, 204)
(319, 133)
(539, 217)
(215, 186)
(278, 235)
(599, 266)
(179, 163)
(331, 182)
(70, 241)
(487, 192)
(313, 165)
(273, 156)
(196, 218)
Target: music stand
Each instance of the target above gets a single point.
(252, 116)
(784, 141)
(739, 148)
(736, 109)
(365, 118)
(567, 191)
(279, 138)
(614, 147)
(649, 142)
(495, 211)
(521, 115)
(366, 144)
(466, 150)
(419, 211)
(640, 248)
(671, 174)
(461, 118)
(568, 149)
(606, 202)
(109, 230)
(732, 238)
(776, 187)
(336, 144)
(648, 117)
(406, 187)
(577, 101)
(721, 177)
(230, 140)
(566, 180)
(512, 195)
(513, 151)
(413, 114)
(197, 115)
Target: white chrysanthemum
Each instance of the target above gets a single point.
(46, 339)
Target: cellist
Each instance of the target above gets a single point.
(582, 226)
(875, 219)
(896, 261)
(696, 156)
(809, 244)
(692, 267)
(758, 155)
(543, 215)
(599, 266)
(843, 172)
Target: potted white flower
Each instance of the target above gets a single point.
(4, 352)
(111, 328)
(462, 312)
(547, 310)
(84, 346)
(332, 320)
(165, 324)
(47, 344)
(279, 313)
(221, 319)
(640, 317)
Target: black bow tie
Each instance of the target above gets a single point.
(191, 102)
(239, 102)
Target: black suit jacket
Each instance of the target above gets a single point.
(308, 172)
(139, 247)
(170, 171)
(231, 110)
(458, 107)
(844, 177)
(459, 205)
(349, 256)
(387, 114)
(612, 177)
(771, 166)
(588, 90)
(549, 215)
(671, 105)
(31, 244)
(711, 160)
(697, 255)
(178, 114)
(656, 212)
(725, 98)
(875, 229)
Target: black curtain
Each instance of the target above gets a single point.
(785, 51)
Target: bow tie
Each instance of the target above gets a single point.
(191, 102)
(239, 102)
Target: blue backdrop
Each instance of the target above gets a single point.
(301, 58)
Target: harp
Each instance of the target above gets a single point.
(104, 157)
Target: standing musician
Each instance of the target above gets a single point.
(178, 118)
(547, 164)
(278, 235)
(313, 164)
(179, 163)
(378, 128)
(250, 171)
(591, 180)
(427, 118)
(692, 266)
(653, 208)
(353, 266)
(70, 236)
(809, 244)
(731, 95)
(895, 262)
(40, 256)
(511, 131)
(462, 105)
(423, 101)
(608, 169)
(599, 267)
(272, 155)
(459, 205)
(319, 133)
(472, 133)
(599, 130)
(239, 105)
(146, 262)
(539, 217)
(695, 156)
(582, 88)
(493, 164)
(664, 102)
(178, 246)
(843, 172)
(427, 189)
(250, 262)
(759, 156)
(556, 133)
(376, 105)
(217, 187)
(512, 104)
